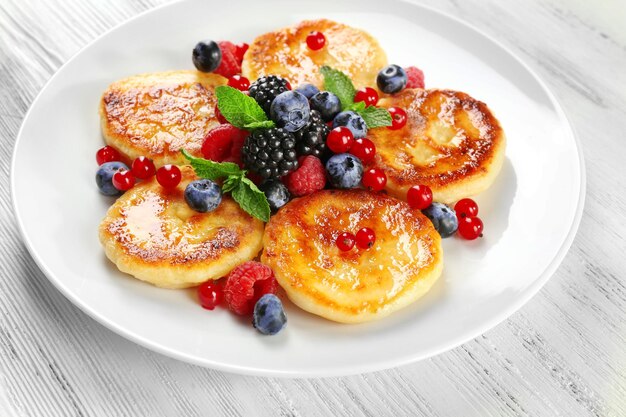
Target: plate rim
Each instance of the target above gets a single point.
(526, 295)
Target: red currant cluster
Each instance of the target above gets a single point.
(341, 140)
(470, 225)
(142, 168)
(420, 197)
(364, 239)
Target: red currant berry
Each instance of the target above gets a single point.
(239, 82)
(398, 118)
(316, 40)
(365, 238)
(218, 115)
(340, 139)
(364, 149)
(367, 95)
(240, 51)
(143, 168)
(419, 197)
(470, 227)
(466, 207)
(168, 176)
(345, 241)
(210, 294)
(123, 180)
(107, 154)
(374, 179)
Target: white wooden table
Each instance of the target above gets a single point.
(563, 354)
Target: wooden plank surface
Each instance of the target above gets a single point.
(563, 354)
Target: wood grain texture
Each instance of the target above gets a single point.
(563, 354)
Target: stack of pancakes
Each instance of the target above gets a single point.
(451, 142)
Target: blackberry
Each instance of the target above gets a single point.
(265, 89)
(270, 152)
(311, 140)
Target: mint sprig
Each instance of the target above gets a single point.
(357, 107)
(244, 192)
(340, 85)
(375, 116)
(251, 199)
(240, 110)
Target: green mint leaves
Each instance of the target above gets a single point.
(251, 199)
(375, 116)
(240, 110)
(340, 85)
(266, 124)
(244, 192)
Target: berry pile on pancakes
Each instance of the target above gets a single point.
(302, 161)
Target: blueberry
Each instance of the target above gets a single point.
(344, 170)
(206, 56)
(352, 121)
(269, 316)
(443, 218)
(307, 90)
(104, 177)
(276, 193)
(290, 110)
(327, 104)
(203, 195)
(391, 79)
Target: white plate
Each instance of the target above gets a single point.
(531, 213)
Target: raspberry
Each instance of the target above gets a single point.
(310, 177)
(241, 49)
(235, 148)
(229, 65)
(223, 143)
(246, 284)
(415, 77)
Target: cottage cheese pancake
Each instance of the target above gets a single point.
(284, 52)
(451, 142)
(152, 234)
(361, 284)
(157, 114)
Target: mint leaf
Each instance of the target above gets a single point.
(236, 107)
(339, 84)
(231, 183)
(357, 107)
(251, 199)
(375, 117)
(243, 190)
(211, 169)
(267, 124)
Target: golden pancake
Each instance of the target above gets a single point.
(361, 284)
(157, 114)
(284, 52)
(451, 142)
(152, 234)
